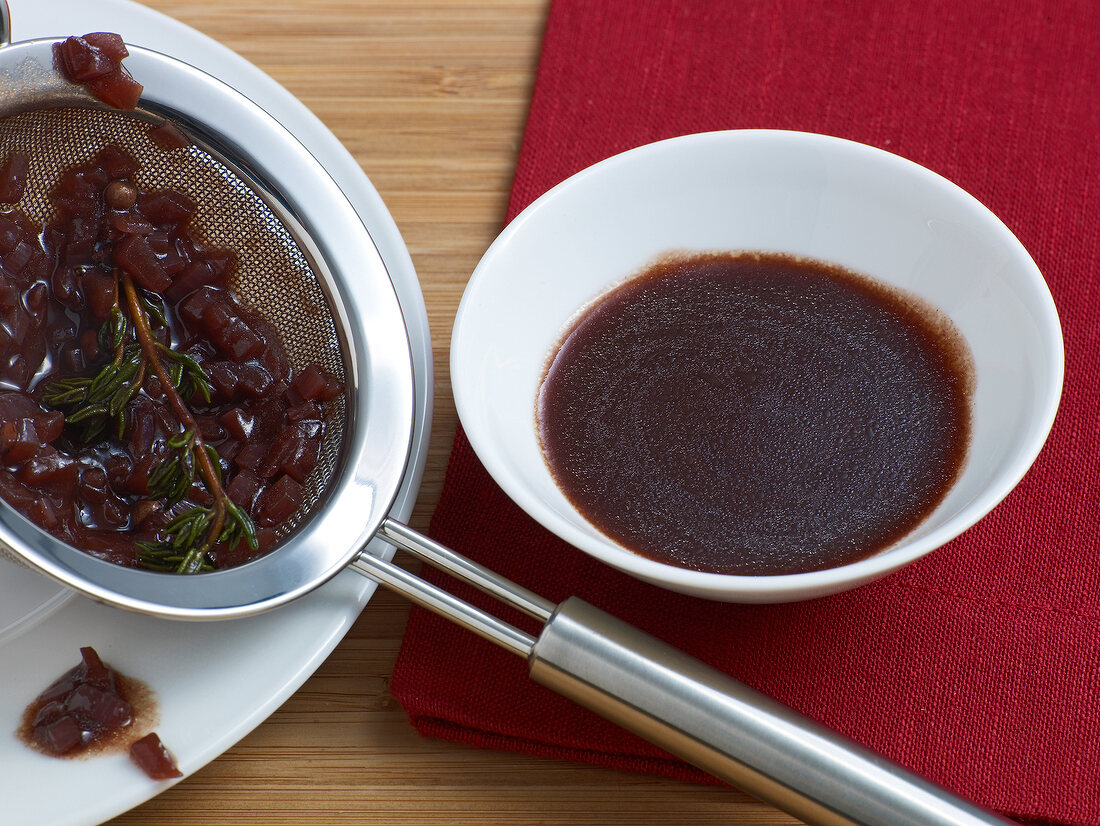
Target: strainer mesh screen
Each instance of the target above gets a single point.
(275, 278)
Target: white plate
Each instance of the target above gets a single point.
(215, 681)
(26, 599)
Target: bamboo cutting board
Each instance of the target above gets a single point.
(430, 97)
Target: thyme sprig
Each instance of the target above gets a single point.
(223, 521)
(174, 477)
(98, 402)
(189, 536)
(95, 404)
(188, 543)
(186, 375)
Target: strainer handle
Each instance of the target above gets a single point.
(731, 730)
(681, 704)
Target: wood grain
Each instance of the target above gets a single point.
(430, 97)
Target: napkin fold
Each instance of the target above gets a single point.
(978, 666)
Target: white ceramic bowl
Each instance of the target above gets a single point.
(803, 194)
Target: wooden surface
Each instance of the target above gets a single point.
(431, 97)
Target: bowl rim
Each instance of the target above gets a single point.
(779, 587)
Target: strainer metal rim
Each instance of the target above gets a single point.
(380, 391)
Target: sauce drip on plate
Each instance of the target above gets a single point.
(91, 709)
(756, 414)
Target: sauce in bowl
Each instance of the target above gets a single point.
(756, 414)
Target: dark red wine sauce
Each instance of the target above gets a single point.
(756, 414)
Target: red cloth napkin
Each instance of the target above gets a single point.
(978, 666)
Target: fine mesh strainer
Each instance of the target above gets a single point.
(308, 265)
(260, 193)
(275, 277)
